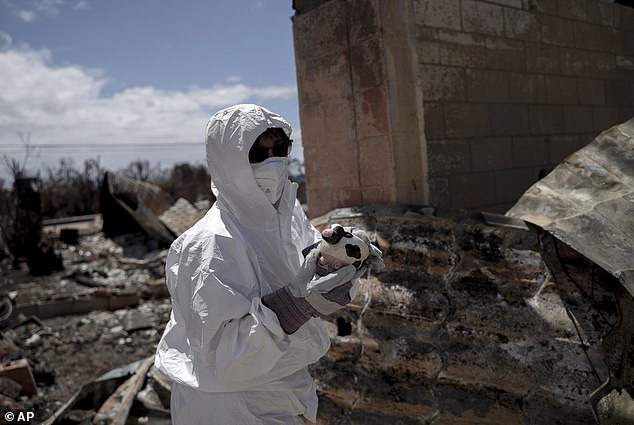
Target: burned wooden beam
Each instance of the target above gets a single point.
(80, 304)
(118, 384)
(115, 410)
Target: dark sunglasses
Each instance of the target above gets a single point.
(259, 153)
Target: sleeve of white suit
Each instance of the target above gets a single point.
(307, 233)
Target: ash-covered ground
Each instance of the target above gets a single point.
(471, 322)
(66, 352)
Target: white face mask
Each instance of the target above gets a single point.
(271, 175)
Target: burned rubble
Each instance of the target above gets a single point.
(104, 311)
(65, 335)
(587, 202)
(467, 324)
(477, 318)
(486, 319)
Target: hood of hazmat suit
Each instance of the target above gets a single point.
(222, 348)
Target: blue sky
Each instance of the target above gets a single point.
(128, 79)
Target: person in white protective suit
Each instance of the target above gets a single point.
(245, 301)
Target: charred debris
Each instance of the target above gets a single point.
(477, 318)
(83, 302)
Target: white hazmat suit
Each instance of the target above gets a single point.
(228, 357)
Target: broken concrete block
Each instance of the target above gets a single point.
(180, 216)
(33, 340)
(129, 205)
(135, 320)
(150, 399)
(616, 408)
(20, 372)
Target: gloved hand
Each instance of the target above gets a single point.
(342, 295)
(306, 297)
(316, 289)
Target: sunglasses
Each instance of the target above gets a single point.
(259, 153)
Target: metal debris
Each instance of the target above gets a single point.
(135, 320)
(587, 202)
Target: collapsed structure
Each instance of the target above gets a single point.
(130, 205)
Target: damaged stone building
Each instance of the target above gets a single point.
(466, 104)
(454, 103)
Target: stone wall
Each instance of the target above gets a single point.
(456, 103)
(511, 87)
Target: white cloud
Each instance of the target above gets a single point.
(233, 79)
(26, 15)
(82, 5)
(48, 7)
(31, 10)
(65, 104)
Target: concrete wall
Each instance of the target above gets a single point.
(511, 87)
(360, 104)
(456, 103)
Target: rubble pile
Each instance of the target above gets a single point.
(468, 324)
(72, 343)
(61, 327)
(99, 273)
(476, 319)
